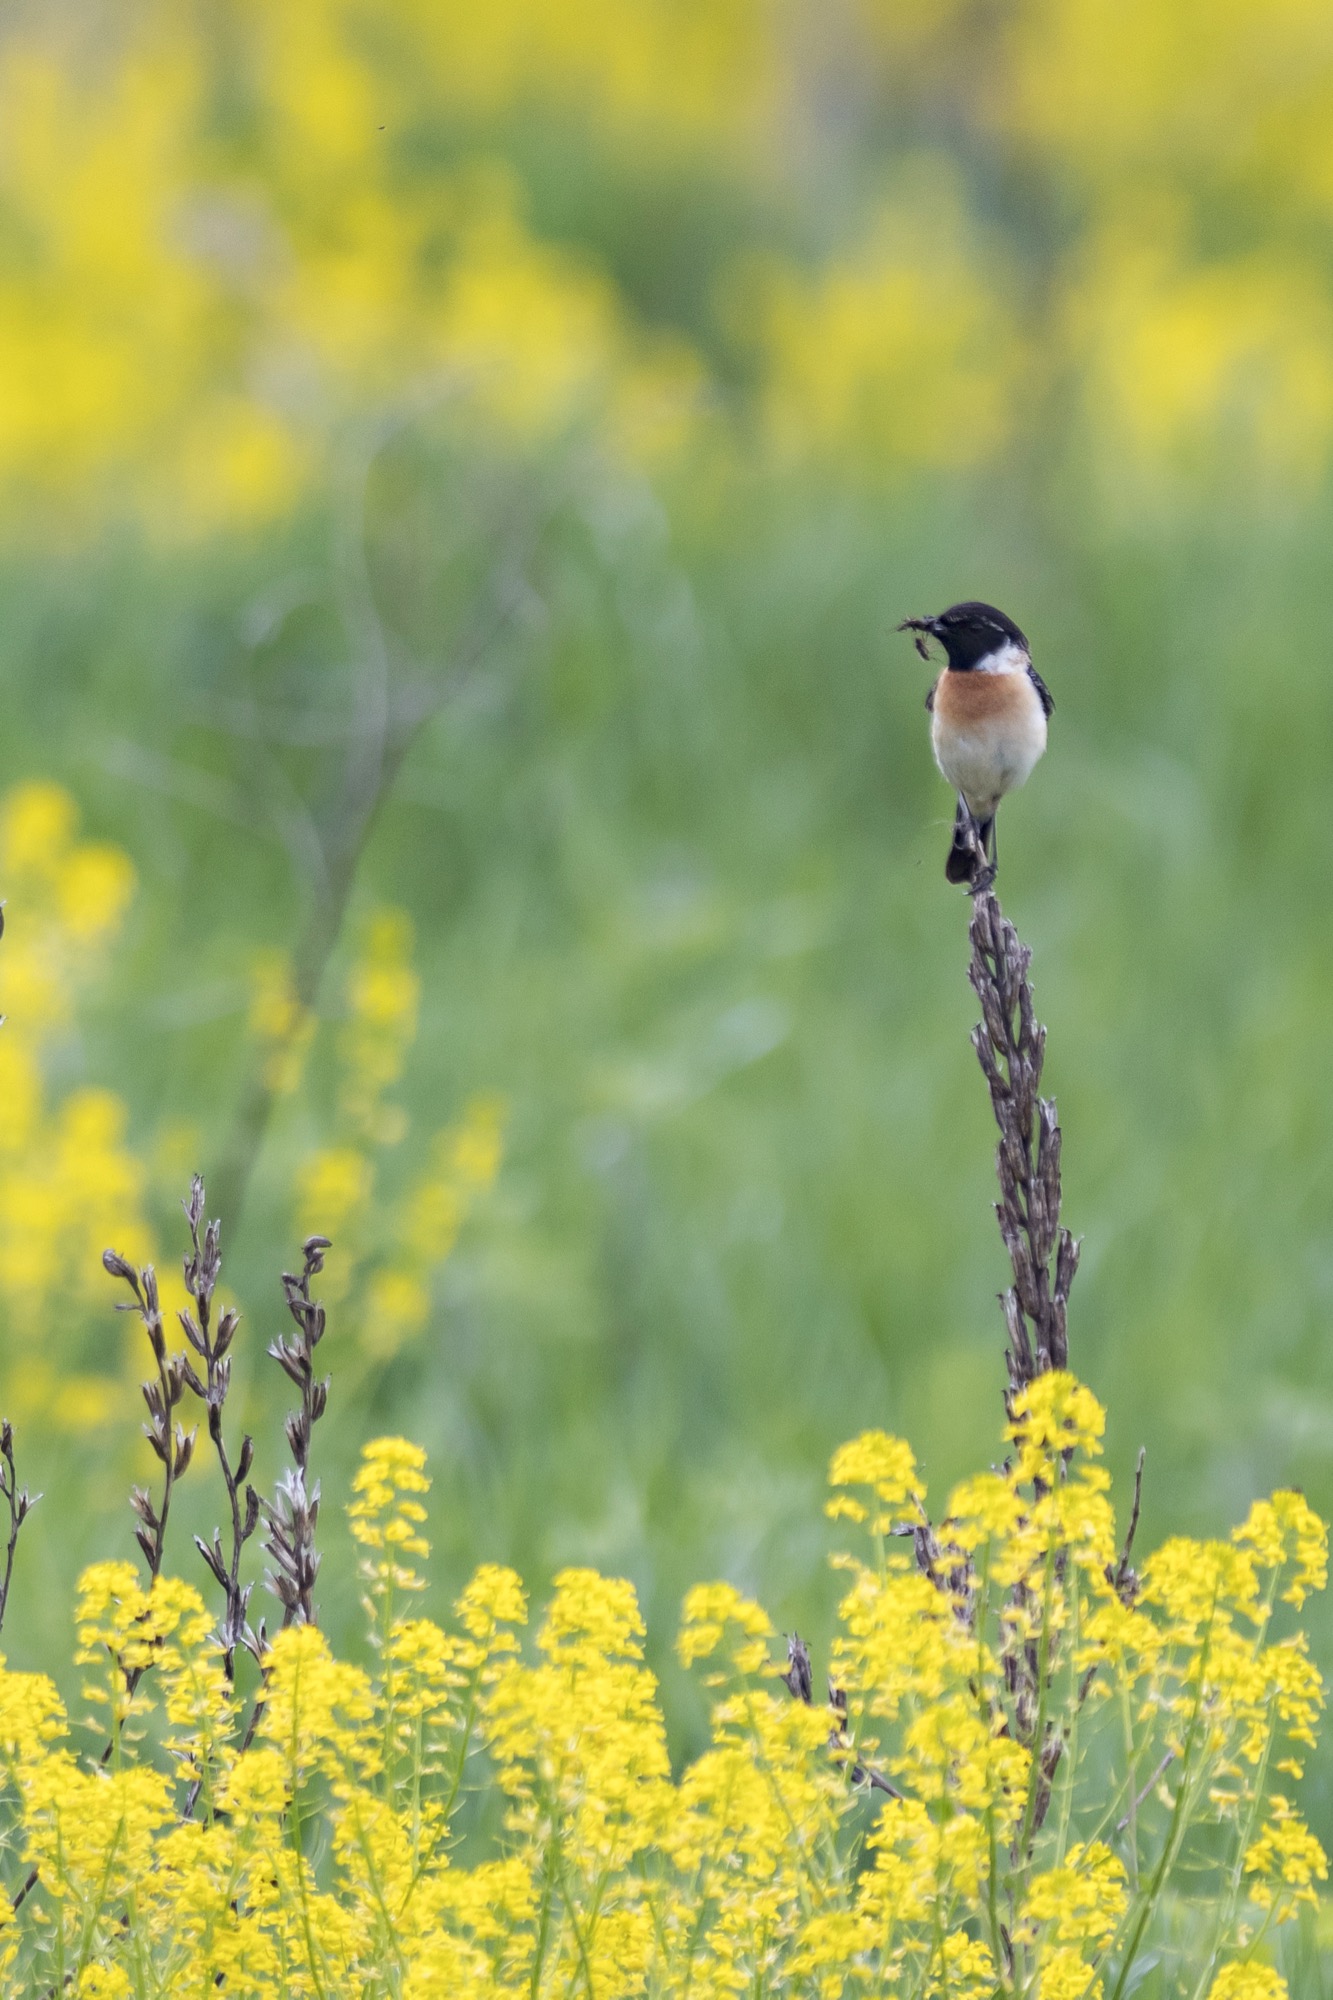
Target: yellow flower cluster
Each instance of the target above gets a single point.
(69, 1182)
(388, 1251)
(1023, 1754)
(387, 1520)
(187, 325)
(186, 320)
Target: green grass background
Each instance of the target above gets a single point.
(674, 855)
(679, 897)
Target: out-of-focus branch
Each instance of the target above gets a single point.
(393, 697)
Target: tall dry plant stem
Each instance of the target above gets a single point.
(1011, 1044)
(171, 1444)
(212, 1343)
(294, 1516)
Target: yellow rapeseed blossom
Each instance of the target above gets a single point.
(465, 1159)
(1081, 1902)
(383, 994)
(1055, 1414)
(1286, 1531)
(885, 1466)
(390, 1250)
(1015, 1741)
(69, 1181)
(386, 1519)
(283, 1028)
(1287, 1861)
(714, 1611)
(896, 359)
(1248, 1982)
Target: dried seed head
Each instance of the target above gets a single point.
(799, 1676)
(194, 1205)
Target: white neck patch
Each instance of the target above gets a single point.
(1009, 658)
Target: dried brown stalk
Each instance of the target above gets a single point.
(1010, 1045)
(1043, 1255)
(292, 1519)
(212, 1343)
(171, 1444)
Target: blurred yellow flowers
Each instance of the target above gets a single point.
(884, 1843)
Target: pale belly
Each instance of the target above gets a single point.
(985, 763)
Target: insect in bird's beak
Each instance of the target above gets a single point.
(921, 629)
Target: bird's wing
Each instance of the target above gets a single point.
(1043, 692)
(930, 698)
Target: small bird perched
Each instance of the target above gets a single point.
(988, 713)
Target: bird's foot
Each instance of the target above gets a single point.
(982, 881)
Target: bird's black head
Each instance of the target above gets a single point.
(967, 632)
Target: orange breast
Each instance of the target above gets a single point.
(963, 700)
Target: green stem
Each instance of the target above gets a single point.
(1227, 1914)
(1036, 1777)
(543, 1925)
(1070, 1754)
(1175, 1830)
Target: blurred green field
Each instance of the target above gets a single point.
(668, 831)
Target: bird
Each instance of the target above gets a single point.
(988, 712)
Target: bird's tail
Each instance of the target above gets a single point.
(969, 836)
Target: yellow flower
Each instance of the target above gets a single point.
(104, 1982)
(1080, 1903)
(385, 1517)
(396, 1306)
(494, 1597)
(885, 1466)
(1194, 1581)
(1286, 1530)
(1248, 1982)
(1286, 1859)
(1053, 1416)
(277, 1020)
(258, 1785)
(383, 995)
(1066, 1975)
(984, 1507)
(710, 1610)
(898, 357)
(474, 1150)
(38, 823)
(314, 1704)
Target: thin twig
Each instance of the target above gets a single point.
(20, 1505)
(1122, 1579)
(800, 1683)
(1167, 1760)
